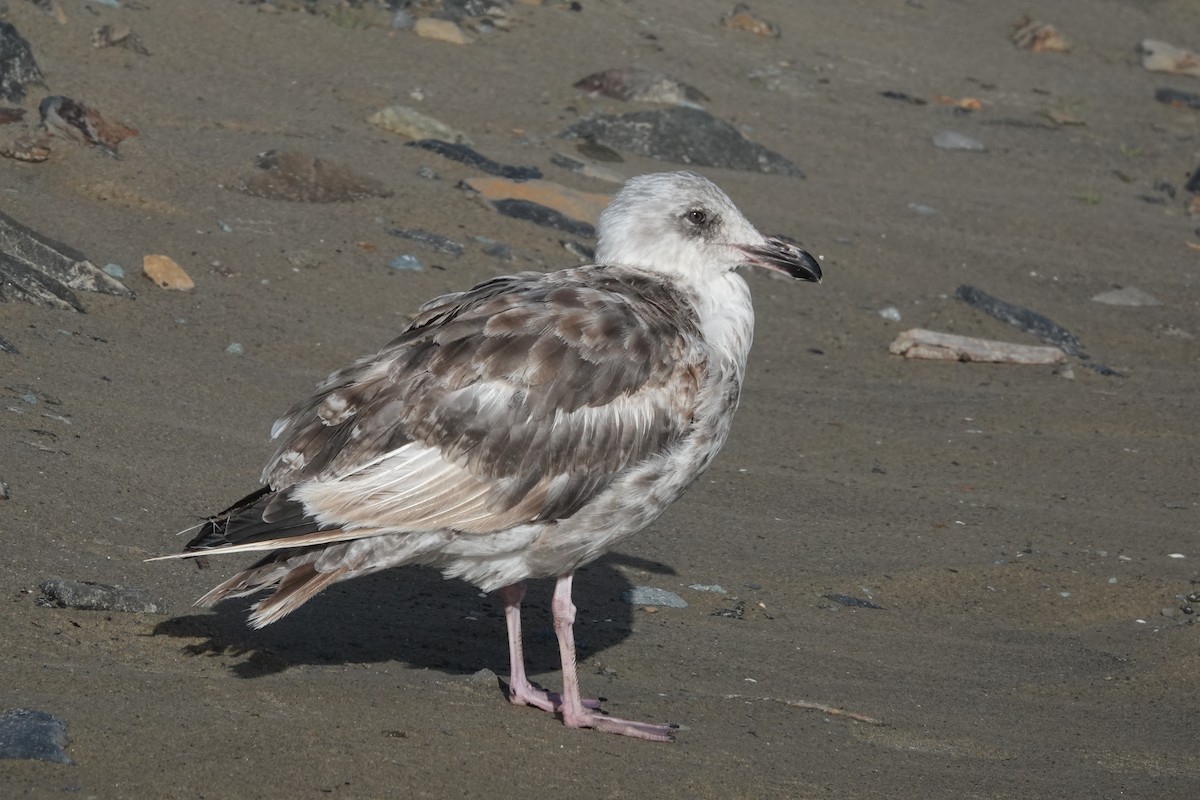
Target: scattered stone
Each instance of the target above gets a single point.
(118, 36)
(484, 677)
(406, 263)
(1128, 296)
(890, 313)
(542, 215)
(786, 80)
(465, 155)
(17, 65)
(1038, 37)
(1193, 184)
(11, 115)
(166, 274)
(5, 490)
(583, 206)
(432, 241)
(742, 19)
(235, 349)
(707, 587)
(409, 122)
(26, 733)
(8, 347)
(45, 272)
(892, 94)
(1042, 327)
(936, 346)
(115, 270)
(301, 177)
(590, 148)
(650, 596)
(1178, 99)
(499, 250)
(303, 259)
(684, 135)
(89, 596)
(637, 85)
(585, 254)
(75, 122)
(737, 612)
(923, 210)
(851, 602)
(1162, 57)
(586, 169)
(428, 174)
(442, 30)
(402, 21)
(953, 140)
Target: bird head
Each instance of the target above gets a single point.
(682, 223)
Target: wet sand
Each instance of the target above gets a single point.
(1016, 525)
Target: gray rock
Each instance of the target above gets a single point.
(433, 241)
(406, 263)
(707, 587)
(1129, 296)
(465, 155)
(650, 596)
(89, 596)
(17, 65)
(544, 215)
(26, 733)
(683, 135)
(235, 349)
(953, 140)
(45, 272)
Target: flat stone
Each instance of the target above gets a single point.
(465, 155)
(584, 206)
(651, 596)
(442, 30)
(409, 122)
(1128, 296)
(953, 140)
(683, 135)
(166, 274)
(1163, 57)
(638, 85)
(301, 177)
(89, 596)
(29, 734)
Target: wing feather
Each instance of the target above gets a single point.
(518, 400)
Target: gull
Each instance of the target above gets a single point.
(519, 429)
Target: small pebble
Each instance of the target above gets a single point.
(428, 174)
(953, 140)
(923, 210)
(406, 263)
(1128, 296)
(651, 596)
(1113, 581)
(891, 313)
(166, 273)
(115, 270)
(89, 596)
(236, 349)
(707, 587)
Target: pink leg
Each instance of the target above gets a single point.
(520, 690)
(575, 713)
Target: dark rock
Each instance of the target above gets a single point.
(89, 596)
(684, 135)
(45, 272)
(851, 602)
(465, 155)
(26, 733)
(433, 241)
(301, 177)
(17, 65)
(598, 152)
(892, 94)
(640, 86)
(1042, 327)
(8, 347)
(542, 215)
(1193, 183)
(1174, 97)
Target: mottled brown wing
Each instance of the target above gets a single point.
(518, 400)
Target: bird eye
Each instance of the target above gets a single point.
(696, 217)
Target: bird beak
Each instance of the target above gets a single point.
(781, 256)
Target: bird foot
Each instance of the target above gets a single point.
(623, 727)
(530, 695)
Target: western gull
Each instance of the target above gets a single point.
(519, 429)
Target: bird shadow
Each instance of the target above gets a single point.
(412, 615)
